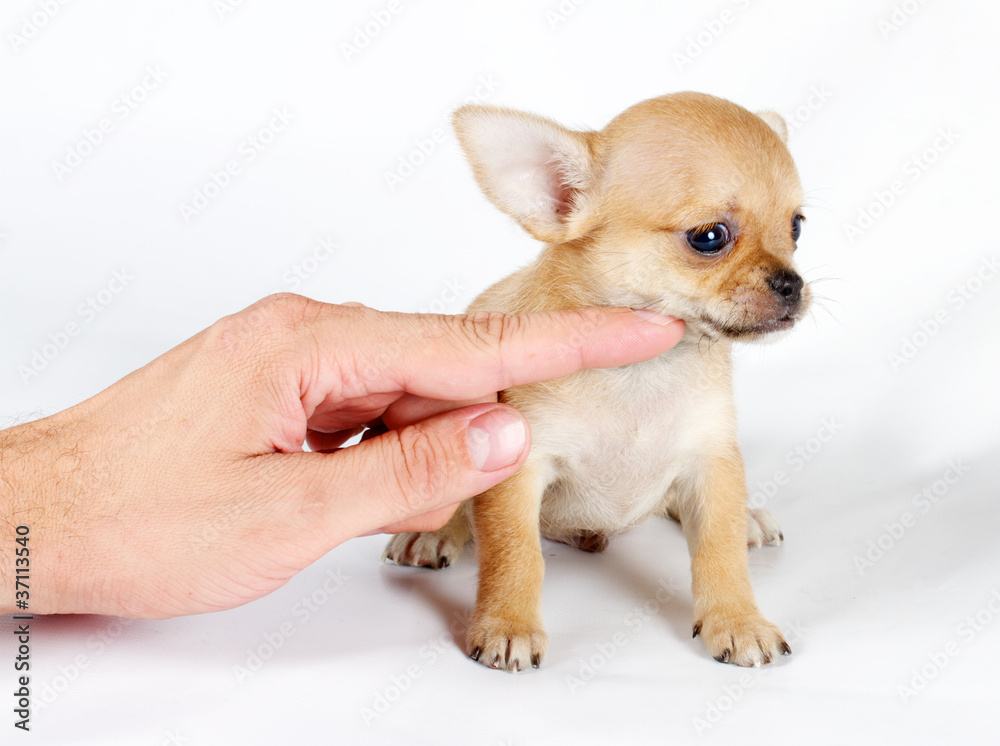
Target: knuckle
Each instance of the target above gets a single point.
(260, 335)
(491, 328)
(493, 332)
(422, 469)
(284, 308)
(266, 315)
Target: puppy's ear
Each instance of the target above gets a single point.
(536, 171)
(775, 122)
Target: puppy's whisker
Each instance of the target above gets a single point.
(822, 268)
(830, 313)
(827, 279)
(821, 299)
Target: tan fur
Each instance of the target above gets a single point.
(611, 448)
(506, 630)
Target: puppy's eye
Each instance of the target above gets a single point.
(708, 239)
(797, 226)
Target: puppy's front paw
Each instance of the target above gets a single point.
(762, 529)
(504, 644)
(742, 638)
(433, 549)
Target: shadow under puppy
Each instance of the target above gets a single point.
(687, 205)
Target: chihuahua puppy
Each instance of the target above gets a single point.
(686, 205)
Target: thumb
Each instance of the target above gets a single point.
(421, 468)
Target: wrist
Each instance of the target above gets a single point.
(15, 495)
(34, 482)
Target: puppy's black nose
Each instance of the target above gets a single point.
(787, 285)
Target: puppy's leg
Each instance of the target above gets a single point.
(761, 527)
(506, 630)
(714, 517)
(433, 549)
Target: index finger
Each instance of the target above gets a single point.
(469, 356)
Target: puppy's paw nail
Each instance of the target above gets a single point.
(783, 647)
(507, 644)
(697, 630)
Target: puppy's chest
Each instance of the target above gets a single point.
(615, 446)
(621, 452)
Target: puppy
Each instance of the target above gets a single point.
(687, 205)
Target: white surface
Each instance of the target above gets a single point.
(857, 636)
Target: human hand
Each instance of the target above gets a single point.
(184, 487)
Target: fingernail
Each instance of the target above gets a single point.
(496, 439)
(653, 317)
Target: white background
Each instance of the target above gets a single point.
(867, 99)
